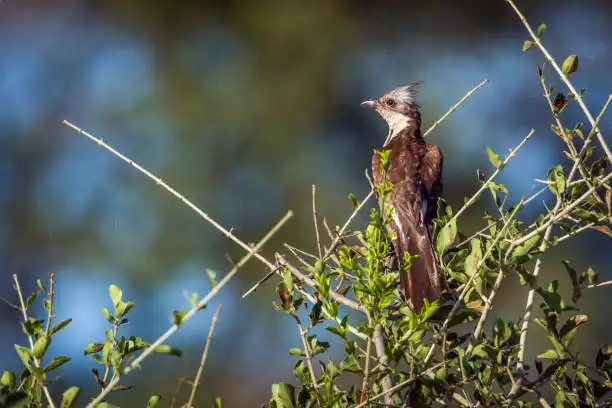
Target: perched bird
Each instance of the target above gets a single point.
(415, 174)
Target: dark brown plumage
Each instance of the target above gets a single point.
(416, 176)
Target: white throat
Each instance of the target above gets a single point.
(397, 122)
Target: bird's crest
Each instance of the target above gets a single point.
(407, 93)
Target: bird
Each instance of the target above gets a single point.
(415, 175)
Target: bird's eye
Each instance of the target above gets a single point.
(390, 102)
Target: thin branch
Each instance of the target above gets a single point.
(454, 107)
(598, 285)
(379, 345)
(485, 185)
(343, 300)
(568, 140)
(24, 312)
(473, 277)
(346, 224)
(400, 385)
(315, 220)
(308, 352)
(564, 78)
(196, 381)
(531, 295)
(559, 215)
(364, 383)
(172, 191)
(136, 362)
(51, 294)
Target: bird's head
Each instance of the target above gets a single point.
(398, 108)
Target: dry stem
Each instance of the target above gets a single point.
(196, 381)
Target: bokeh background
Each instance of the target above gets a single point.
(242, 106)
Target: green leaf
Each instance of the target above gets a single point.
(153, 401)
(115, 294)
(92, 348)
(218, 402)
(167, 349)
(31, 299)
(69, 397)
(550, 353)
(56, 363)
(474, 258)
(211, 275)
(108, 316)
(107, 405)
(24, 354)
(123, 308)
(570, 65)
(8, 380)
(282, 395)
(297, 352)
(446, 237)
(556, 180)
(494, 158)
(541, 30)
(527, 45)
(177, 316)
(521, 252)
(57, 327)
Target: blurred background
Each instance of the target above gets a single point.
(242, 106)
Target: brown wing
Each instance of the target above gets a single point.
(431, 178)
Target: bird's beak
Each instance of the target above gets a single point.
(369, 104)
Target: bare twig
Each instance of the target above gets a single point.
(308, 352)
(343, 300)
(560, 214)
(454, 107)
(476, 273)
(36, 362)
(400, 385)
(315, 219)
(598, 285)
(51, 295)
(485, 185)
(564, 78)
(172, 191)
(196, 381)
(136, 362)
(379, 345)
(366, 370)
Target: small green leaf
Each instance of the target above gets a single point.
(218, 402)
(550, 353)
(494, 158)
(31, 299)
(570, 65)
(527, 45)
(211, 275)
(446, 237)
(92, 348)
(177, 316)
(56, 363)
(115, 294)
(167, 349)
(107, 405)
(153, 401)
(297, 352)
(108, 316)
(8, 380)
(541, 30)
(282, 395)
(57, 327)
(41, 346)
(69, 397)
(521, 252)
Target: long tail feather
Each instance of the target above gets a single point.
(422, 281)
